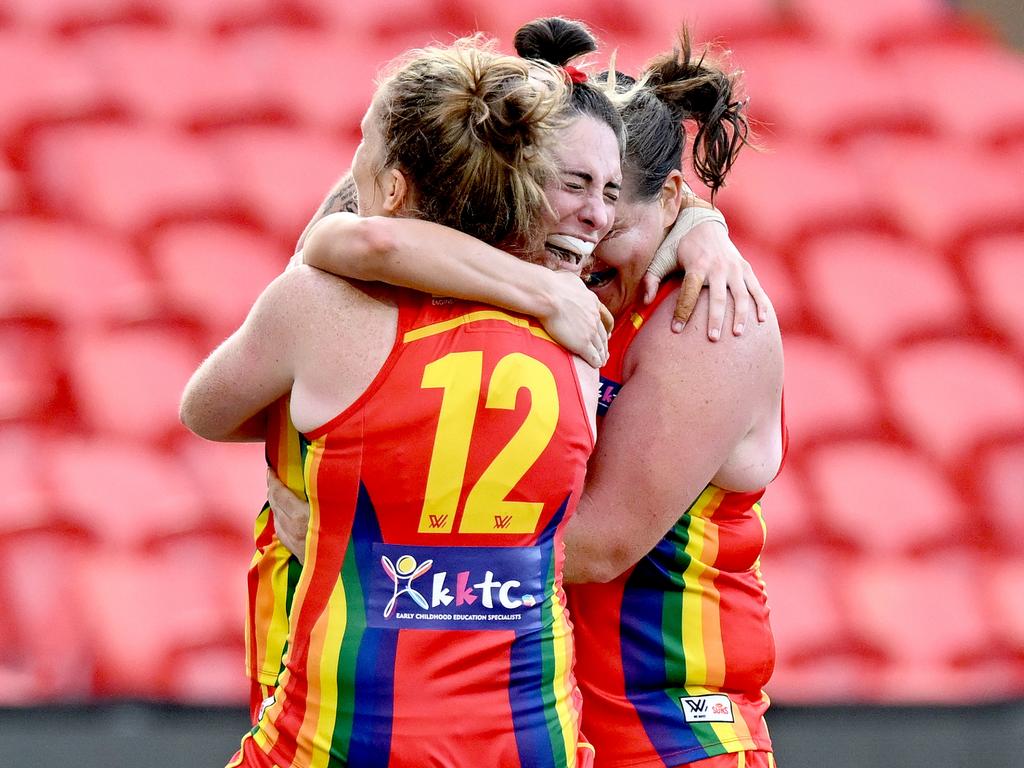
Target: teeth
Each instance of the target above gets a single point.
(581, 249)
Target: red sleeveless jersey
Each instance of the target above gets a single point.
(672, 655)
(428, 626)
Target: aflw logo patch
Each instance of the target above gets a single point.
(712, 708)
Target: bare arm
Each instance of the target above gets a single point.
(225, 397)
(429, 257)
(684, 413)
(341, 199)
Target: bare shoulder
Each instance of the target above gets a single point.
(760, 345)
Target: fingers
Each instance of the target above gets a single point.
(607, 318)
(741, 302)
(761, 300)
(717, 295)
(649, 287)
(688, 295)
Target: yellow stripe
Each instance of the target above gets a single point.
(636, 320)
(697, 584)
(472, 317)
(328, 673)
(563, 698)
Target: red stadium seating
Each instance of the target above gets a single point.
(778, 281)
(46, 653)
(128, 176)
(943, 81)
(860, 26)
(996, 270)
(789, 513)
(929, 618)
(1005, 579)
(58, 14)
(948, 395)
(128, 382)
(213, 272)
(313, 78)
(811, 90)
(122, 495)
(999, 492)
(28, 372)
(871, 290)
(12, 195)
(27, 505)
(792, 190)
(70, 274)
(174, 606)
(940, 191)
(828, 391)
(282, 176)
(230, 479)
(200, 79)
(40, 80)
(882, 498)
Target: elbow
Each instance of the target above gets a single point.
(349, 245)
(599, 568)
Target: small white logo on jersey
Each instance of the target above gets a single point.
(712, 708)
(263, 707)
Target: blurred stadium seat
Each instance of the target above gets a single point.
(941, 79)
(1005, 580)
(812, 90)
(231, 481)
(998, 474)
(828, 391)
(70, 274)
(871, 290)
(127, 382)
(928, 616)
(940, 191)
(27, 504)
(282, 175)
(864, 26)
(28, 371)
(789, 513)
(951, 394)
(127, 176)
(200, 79)
(779, 282)
(995, 266)
(212, 272)
(884, 499)
(42, 79)
(793, 190)
(124, 496)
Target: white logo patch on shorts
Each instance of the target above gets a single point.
(263, 707)
(711, 708)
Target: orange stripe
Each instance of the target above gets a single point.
(714, 648)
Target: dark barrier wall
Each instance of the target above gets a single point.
(149, 736)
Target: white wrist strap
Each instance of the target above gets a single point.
(664, 260)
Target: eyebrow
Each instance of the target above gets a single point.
(584, 176)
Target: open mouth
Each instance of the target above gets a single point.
(599, 278)
(569, 249)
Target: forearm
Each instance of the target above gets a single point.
(428, 257)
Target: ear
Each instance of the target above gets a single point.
(396, 191)
(672, 193)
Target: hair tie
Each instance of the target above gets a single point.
(574, 75)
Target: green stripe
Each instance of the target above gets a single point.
(355, 624)
(672, 603)
(558, 756)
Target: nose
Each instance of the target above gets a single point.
(595, 214)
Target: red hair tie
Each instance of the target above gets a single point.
(574, 75)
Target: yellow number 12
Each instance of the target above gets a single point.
(460, 375)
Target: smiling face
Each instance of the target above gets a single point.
(583, 196)
(623, 256)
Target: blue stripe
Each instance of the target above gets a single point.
(644, 655)
(373, 713)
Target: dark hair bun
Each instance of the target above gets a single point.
(554, 40)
